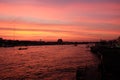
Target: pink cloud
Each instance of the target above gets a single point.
(83, 20)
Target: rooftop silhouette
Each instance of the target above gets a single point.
(12, 43)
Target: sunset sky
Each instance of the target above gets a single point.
(71, 20)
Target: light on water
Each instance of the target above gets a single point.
(44, 62)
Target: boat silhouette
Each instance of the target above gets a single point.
(22, 48)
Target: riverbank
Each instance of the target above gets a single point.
(109, 54)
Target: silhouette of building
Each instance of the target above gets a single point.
(118, 40)
(59, 41)
(1, 41)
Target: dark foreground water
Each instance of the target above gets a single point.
(44, 62)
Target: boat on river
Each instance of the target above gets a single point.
(22, 48)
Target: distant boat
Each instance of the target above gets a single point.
(22, 48)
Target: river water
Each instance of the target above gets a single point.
(58, 62)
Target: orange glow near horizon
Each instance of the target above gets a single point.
(71, 21)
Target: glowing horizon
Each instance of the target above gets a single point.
(49, 20)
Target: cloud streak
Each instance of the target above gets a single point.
(73, 19)
(60, 1)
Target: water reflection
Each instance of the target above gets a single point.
(44, 62)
